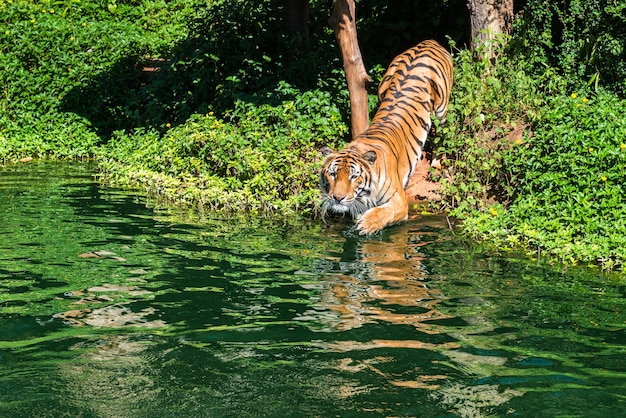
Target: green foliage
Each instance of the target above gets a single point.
(50, 49)
(584, 39)
(264, 159)
(490, 100)
(528, 167)
(230, 51)
(570, 197)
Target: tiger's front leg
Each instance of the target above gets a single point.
(394, 211)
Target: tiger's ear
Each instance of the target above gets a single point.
(325, 150)
(370, 156)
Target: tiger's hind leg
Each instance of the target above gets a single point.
(433, 130)
(441, 114)
(394, 211)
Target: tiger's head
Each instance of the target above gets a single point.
(347, 181)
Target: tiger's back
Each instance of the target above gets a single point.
(416, 85)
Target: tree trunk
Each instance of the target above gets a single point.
(343, 22)
(298, 16)
(489, 18)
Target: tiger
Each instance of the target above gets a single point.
(367, 178)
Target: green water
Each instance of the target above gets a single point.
(112, 308)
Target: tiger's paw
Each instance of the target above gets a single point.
(372, 221)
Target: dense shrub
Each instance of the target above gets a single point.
(494, 102)
(568, 183)
(231, 50)
(263, 160)
(584, 39)
(50, 51)
(530, 166)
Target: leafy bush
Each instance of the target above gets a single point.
(50, 50)
(584, 39)
(529, 167)
(491, 102)
(232, 50)
(568, 181)
(263, 159)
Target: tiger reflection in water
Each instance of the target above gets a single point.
(388, 284)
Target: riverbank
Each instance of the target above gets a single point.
(236, 116)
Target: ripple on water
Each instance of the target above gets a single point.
(109, 305)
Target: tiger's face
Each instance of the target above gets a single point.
(347, 181)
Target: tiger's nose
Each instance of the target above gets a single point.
(338, 197)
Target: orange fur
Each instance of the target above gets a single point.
(367, 179)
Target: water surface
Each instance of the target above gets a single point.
(110, 307)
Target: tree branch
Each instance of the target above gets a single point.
(343, 22)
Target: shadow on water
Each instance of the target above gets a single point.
(111, 307)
